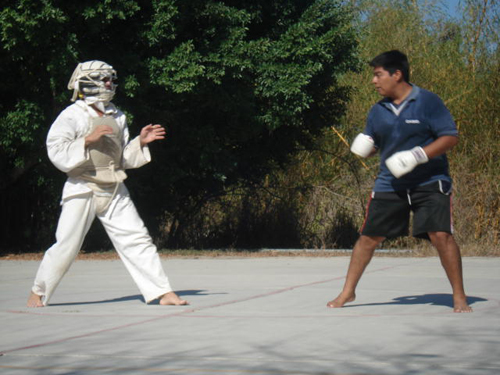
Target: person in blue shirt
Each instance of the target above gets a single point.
(412, 130)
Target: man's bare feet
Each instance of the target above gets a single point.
(341, 300)
(34, 300)
(172, 299)
(460, 305)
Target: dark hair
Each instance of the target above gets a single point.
(392, 61)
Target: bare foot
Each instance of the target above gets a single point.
(34, 300)
(341, 300)
(172, 299)
(460, 306)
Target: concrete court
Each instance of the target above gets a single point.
(254, 316)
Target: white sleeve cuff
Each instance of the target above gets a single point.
(135, 156)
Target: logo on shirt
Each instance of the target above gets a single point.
(412, 121)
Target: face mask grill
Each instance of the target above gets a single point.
(89, 79)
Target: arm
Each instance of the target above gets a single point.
(66, 140)
(443, 128)
(136, 153)
(440, 146)
(364, 144)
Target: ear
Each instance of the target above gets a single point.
(398, 75)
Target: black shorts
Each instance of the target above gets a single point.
(388, 213)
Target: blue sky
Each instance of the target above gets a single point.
(451, 7)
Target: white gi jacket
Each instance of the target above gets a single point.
(66, 149)
(66, 145)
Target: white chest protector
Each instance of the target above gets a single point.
(103, 170)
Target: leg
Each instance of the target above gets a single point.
(137, 251)
(361, 256)
(76, 217)
(449, 253)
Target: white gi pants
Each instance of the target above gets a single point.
(125, 229)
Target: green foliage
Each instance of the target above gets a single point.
(241, 87)
(260, 100)
(319, 200)
(17, 129)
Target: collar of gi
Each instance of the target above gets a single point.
(110, 108)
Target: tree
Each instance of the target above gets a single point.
(241, 87)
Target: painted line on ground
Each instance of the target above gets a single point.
(187, 311)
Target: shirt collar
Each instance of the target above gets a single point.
(386, 102)
(414, 92)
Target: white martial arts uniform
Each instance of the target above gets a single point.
(66, 149)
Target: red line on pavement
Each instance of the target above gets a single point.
(187, 311)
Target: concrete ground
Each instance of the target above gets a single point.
(254, 316)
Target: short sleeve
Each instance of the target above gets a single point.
(439, 118)
(369, 127)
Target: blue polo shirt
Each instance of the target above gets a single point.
(418, 121)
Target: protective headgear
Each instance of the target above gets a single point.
(89, 79)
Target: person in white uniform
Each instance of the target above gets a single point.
(89, 141)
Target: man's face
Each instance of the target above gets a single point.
(384, 82)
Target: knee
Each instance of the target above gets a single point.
(369, 242)
(440, 238)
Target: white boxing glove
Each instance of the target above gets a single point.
(362, 145)
(404, 162)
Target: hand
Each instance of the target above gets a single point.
(151, 133)
(362, 145)
(404, 162)
(96, 135)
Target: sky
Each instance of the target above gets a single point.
(451, 7)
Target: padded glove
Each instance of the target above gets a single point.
(362, 145)
(404, 162)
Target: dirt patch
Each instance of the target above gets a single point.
(195, 254)
(423, 250)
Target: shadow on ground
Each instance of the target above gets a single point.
(443, 299)
(136, 297)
